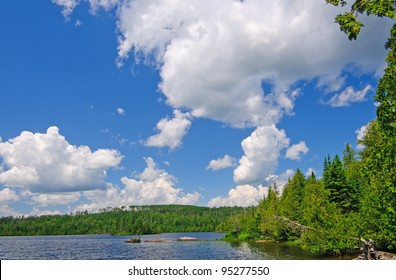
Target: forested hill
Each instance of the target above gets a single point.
(125, 220)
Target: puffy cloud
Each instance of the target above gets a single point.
(8, 195)
(171, 131)
(120, 111)
(349, 96)
(214, 55)
(295, 151)
(155, 186)
(152, 186)
(242, 195)
(48, 163)
(221, 163)
(56, 199)
(261, 152)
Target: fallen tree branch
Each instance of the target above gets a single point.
(293, 223)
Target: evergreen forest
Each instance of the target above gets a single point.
(123, 221)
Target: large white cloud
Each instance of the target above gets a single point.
(214, 55)
(261, 152)
(48, 163)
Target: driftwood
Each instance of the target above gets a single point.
(368, 250)
(293, 223)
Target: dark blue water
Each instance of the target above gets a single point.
(107, 247)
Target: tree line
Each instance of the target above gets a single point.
(134, 220)
(327, 215)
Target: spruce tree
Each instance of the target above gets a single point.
(335, 181)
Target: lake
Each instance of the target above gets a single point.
(107, 247)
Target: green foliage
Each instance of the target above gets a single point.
(386, 92)
(122, 221)
(292, 197)
(336, 182)
(349, 22)
(336, 238)
(378, 202)
(354, 180)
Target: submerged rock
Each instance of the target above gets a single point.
(133, 240)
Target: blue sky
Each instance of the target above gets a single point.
(119, 102)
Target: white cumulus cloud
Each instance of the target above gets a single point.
(48, 163)
(8, 195)
(214, 55)
(295, 151)
(242, 195)
(221, 163)
(155, 186)
(170, 131)
(152, 186)
(261, 152)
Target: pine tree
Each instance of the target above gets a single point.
(293, 195)
(352, 171)
(335, 181)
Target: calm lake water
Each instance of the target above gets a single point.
(107, 247)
